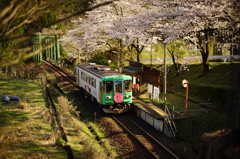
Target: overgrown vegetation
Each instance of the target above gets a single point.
(28, 131)
(21, 19)
(23, 133)
(89, 146)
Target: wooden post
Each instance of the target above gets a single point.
(95, 117)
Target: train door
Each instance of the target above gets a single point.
(118, 91)
(118, 86)
(79, 77)
(107, 92)
(100, 88)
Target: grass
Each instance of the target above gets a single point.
(208, 88)
(211, 96)
(24, 133)
(215, 90)
(83, 142)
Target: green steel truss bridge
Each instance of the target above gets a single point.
(47, 47)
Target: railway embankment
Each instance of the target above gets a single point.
(24, 130)
(218, 89)
(38, 127)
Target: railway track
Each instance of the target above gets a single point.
(150, 145)
(71, 78)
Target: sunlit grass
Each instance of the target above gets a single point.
(27, 90)
(83, 142)
(23, 132)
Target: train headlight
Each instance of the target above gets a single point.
(108, 97)
(128, 96)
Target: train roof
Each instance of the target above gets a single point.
(98, 70)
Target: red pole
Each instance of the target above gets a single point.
(186, 106)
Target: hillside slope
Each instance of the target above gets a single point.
(220, 86)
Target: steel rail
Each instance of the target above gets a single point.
(163, 150)
(163, 146)
(134, 137)
(62, 73)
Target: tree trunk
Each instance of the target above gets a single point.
(130, 49)
(138, 57)
(175, 65)
(174, 62)
(206, 55)
(205, 62)
(138, 49)
(203, 45)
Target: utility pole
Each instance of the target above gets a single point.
(119, 70)
(165, 74)
(151, 56)
(119, 59)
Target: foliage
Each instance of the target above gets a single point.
(47, 20)
(100, 58)
(73, 5)
(21, 18)
(102, 22)
(89, 147)
(134, 23)
(175, 49)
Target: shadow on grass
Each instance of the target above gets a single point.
(8, 118)
(31, 149)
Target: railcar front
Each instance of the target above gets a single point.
(116, 94)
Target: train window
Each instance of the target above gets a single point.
(94, 83)
(127, 85)
(90, 81)
(109, 86)
(82, 75)
(87, 78)
(118, 86)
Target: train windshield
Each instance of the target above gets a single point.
(127, 85)
(109, 86)
(118, 86)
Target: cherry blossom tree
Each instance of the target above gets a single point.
(175, 49)
(103, 25)
(137, 24)
(194, 21)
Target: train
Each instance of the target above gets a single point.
(106, 86)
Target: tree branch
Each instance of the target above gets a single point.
(13, 12)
